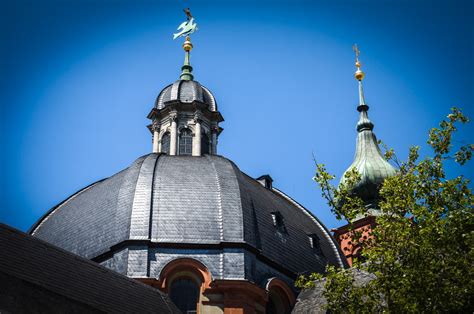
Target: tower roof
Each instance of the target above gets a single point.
(368, 160)
(186, 91)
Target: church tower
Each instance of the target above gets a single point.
(373, 170)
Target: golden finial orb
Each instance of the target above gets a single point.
(187, 46)
(359, 75)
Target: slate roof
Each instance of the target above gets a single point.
(186, 92)
(46, 268)
(193, 200)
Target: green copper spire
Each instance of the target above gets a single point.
(187, 28)
(364, 122)
(359, 75)
(187, 69)
(368, 159)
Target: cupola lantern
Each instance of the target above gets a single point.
(185, 119)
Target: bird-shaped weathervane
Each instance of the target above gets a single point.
(188, 27)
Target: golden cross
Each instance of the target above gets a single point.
(356, 50)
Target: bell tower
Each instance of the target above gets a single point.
(373, 170)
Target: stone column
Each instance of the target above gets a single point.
(173, 135)
(197, 135)
(214, 140)
(156, 130)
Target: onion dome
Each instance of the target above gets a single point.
(369, 162)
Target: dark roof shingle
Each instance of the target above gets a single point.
(79, 280)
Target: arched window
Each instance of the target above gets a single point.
(204, 144)
(280, 297)
(184, 279)
(185, 142)
(165, 143)
(184, 292)
(277, 303)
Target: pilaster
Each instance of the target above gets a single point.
(173, 134)
(214, 132)
(197, 135)
(156, 131)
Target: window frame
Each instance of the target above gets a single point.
(279, 222)
(205, 149)
(162, 150)
(185, 145)
(315, 243)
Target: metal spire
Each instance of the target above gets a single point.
(187, 69)
(187, 28)
(359, 75)
(364, 122)
(368, 159)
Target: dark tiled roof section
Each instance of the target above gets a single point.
(186, 92)
(196, 200)
(87, 283)
(94, 219)
(208, 98)
(188, 200)
(292, 246)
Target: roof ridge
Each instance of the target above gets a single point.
(45, 216)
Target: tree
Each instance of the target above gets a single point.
(421, 252)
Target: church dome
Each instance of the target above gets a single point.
(187, 221)
(161, 204)
(186, 91)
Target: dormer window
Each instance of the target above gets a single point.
(278, 222)
(315, 244)
(266, 181)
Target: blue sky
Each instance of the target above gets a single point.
(79, 77)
